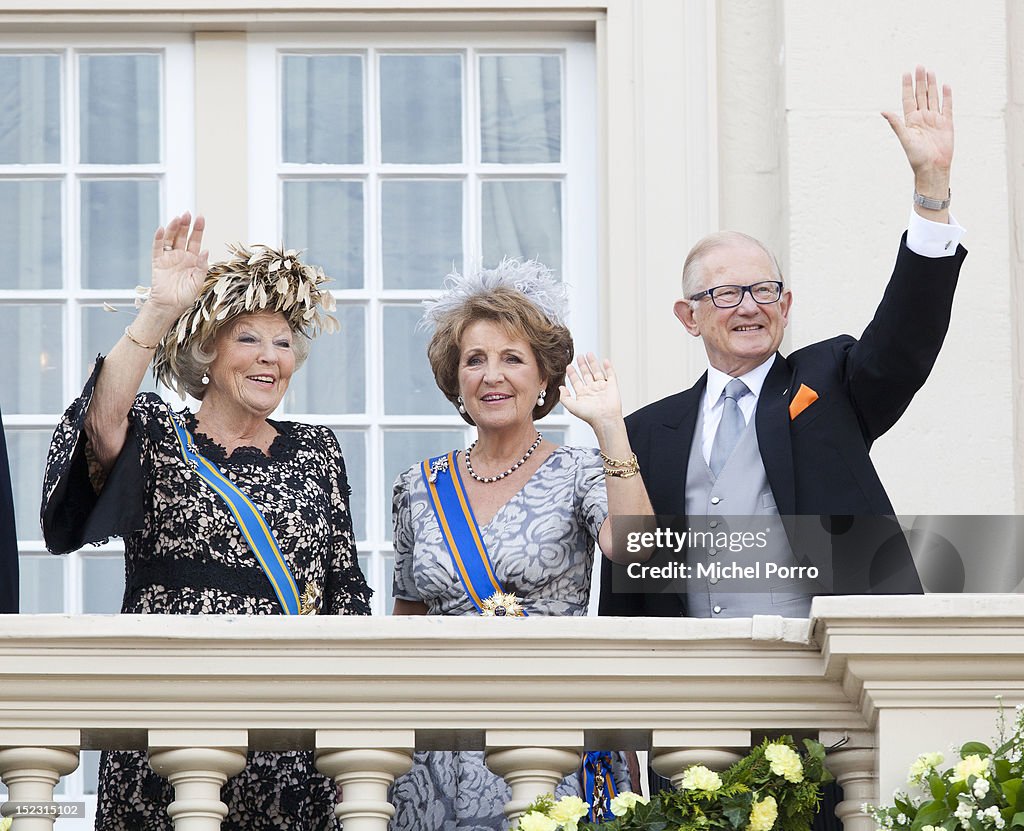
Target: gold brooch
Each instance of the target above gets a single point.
(309, 603)
(502, 604)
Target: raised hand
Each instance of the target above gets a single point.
(179, 265)
(594, 396)
(926, 131)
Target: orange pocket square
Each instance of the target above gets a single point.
(803, 399)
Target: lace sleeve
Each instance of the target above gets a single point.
(347, 591)
(80, 506)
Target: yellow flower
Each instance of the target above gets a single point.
(536, 821)
(763, 814)
(700, 778)
(785, 762)
(626, 800)
(568, 811)
(922, 765)
(5, 824)
(972, 765)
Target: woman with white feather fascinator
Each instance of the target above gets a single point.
(507, 526)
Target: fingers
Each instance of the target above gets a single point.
(921, 88)
(895, 123)
(947, 100)
(181, 235)
(195, 240)
(909, 101)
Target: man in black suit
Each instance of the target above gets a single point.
(812, 416)
(8, 537)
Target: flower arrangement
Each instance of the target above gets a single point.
(981, 792)
(5, 823)
(773, 788)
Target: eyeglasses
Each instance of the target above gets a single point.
(725, 297)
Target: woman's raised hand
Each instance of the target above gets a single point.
(179, 265)
(595, 392)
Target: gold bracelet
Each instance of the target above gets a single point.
(622, 472)
(610, 462)
(128, 334)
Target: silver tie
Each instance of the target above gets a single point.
(730, 427)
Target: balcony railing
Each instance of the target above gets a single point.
(888, 677)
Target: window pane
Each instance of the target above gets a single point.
(409, 387)
(89, 760)
(405, 448)
(523, 219)
(421, 108)
(33, 373)
(30, 109)
(322, 103)
(520, 108)
(100, 331)
(333, 379)
(118, 260)
(102, 584)
(30, 233)
(325, 219)
(41, 584)
(120, 109)
(421, 230)
(353, 448)
(26, 450)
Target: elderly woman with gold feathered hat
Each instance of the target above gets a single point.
(224, 510)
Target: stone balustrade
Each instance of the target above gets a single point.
(882, 678)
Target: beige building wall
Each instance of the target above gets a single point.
(757, 114)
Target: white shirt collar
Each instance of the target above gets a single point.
(718, 379)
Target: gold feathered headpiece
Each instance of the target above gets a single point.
(252, 280)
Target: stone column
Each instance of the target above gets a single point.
(673, 751)
(364, 764)
(855, 767)
(197, 763)
(31, 764)
(532, 762)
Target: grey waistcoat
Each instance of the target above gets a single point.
(739, 497)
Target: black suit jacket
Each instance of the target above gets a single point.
(8, 536)
(817, 463)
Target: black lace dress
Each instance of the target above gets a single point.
(185, 555)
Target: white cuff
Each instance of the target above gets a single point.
(933, 239)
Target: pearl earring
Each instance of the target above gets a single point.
(540, 398)
(462, 406)
(206, 378)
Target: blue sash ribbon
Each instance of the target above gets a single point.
(599, 785)
(250, 521)
(461, 534)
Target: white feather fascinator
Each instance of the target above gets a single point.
(530, 278)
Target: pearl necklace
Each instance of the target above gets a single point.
(488, 479)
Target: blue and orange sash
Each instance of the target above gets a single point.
(599, 785)
(251, 523)
(461, 534)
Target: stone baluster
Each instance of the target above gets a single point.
(31, 764)
(855, 767)
(197, 763)
(673, 751)
(364, 764)
(532, 762)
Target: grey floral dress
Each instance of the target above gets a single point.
(541, 545)
(185, 555)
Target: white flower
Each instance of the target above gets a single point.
(981, 787)
(901, 819)
(928, 828)
(992, 811)
(568, 811)
(763, 814)
(700, 778)
(626, 800)
(923, 765)
(785, 762)
(969, 766)
(536, 821)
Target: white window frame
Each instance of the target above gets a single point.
(578, 170)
